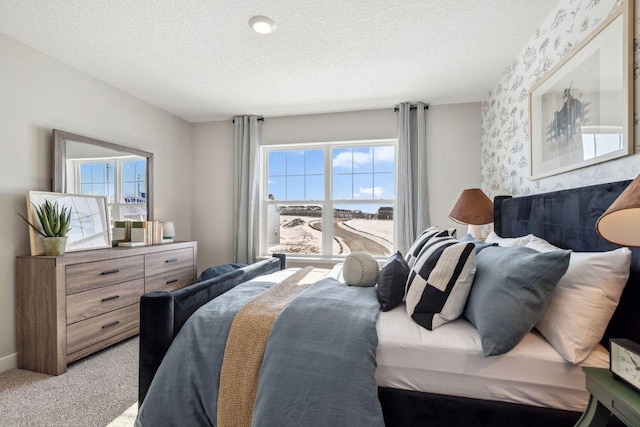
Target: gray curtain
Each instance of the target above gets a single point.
(412, 192)
(246, 185)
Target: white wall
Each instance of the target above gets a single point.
(454, 162)
(38, 94)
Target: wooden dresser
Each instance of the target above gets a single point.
(73, 305)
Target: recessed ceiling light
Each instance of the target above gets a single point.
(262, 24)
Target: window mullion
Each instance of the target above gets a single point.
(118, 191)
(263, 205)
(327, 206)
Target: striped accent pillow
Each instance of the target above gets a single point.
(440, 281)
(416, 247)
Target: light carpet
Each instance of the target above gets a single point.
(94, 391)
(127, 418)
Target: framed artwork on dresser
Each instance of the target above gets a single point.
(89, 226)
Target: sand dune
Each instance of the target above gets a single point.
(301, 235)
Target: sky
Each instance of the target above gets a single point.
(359, 174)
(98, 178)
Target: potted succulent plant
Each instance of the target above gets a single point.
(54, 223)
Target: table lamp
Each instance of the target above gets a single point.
(619, 223)
(474, 209)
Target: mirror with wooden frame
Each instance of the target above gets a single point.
(89, 166)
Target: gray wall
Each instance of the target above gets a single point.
(453, 136)
(193, 162)
(454, 133)
(39, 94)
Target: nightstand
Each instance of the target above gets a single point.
(609, 396)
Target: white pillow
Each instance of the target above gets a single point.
(582, 304)
(508, 242)
(542, 245)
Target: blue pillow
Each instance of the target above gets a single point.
(479, 244)
(510, 292)
(391, 281)
(218, 270)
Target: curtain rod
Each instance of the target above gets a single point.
(413, 107)
(260, 119)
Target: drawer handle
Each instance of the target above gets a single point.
(172, 260)
(115, 270)
(110, 325)
(110, 298)
(172, 281)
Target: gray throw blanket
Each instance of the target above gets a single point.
(318, 367)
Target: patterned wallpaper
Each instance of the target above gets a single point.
(505, 116)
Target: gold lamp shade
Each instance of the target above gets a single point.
(620, 224)
(473, 207)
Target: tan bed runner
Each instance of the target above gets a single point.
(246, 344)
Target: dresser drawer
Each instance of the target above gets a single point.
(91, 275)
(161, 262)
(88, 332)
(87, 304)
(169, 281)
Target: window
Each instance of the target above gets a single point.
(327, 200)
(121, 180)
(601, 140)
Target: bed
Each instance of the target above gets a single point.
(563, 218)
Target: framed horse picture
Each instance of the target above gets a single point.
(581, 111)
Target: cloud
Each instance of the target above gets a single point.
(385, 154)
(345, 159)
(370, 192)
(362, 157)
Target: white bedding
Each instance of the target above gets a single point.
(449, 360)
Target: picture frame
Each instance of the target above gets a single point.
(89, 226)
(581, 111)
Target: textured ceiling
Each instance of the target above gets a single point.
(199, 60)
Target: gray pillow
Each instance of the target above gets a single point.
(480, 245)
(510, 292)
(360, 269)
(218, 270)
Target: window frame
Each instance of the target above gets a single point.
(119, 203)
(328, 203)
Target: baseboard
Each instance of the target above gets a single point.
(9, 362)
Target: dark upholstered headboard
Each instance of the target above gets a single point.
(567, 219)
